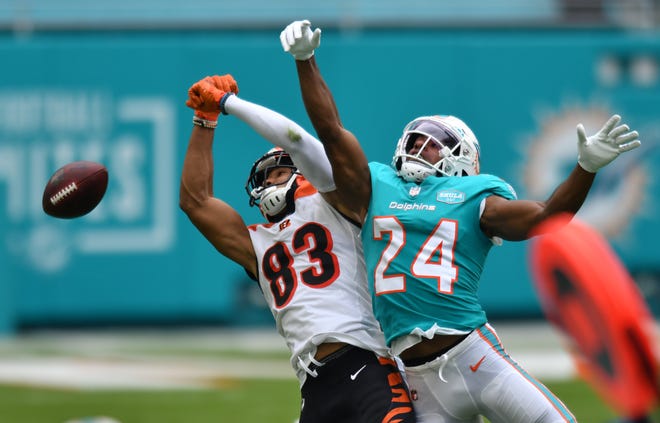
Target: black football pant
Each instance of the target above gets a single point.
(356, 386)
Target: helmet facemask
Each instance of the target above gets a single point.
(273, 201)
(457, 145)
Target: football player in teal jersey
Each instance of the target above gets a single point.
(429, 221)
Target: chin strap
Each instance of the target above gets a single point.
(289, 203)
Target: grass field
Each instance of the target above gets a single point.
(204, 376)
(244, 401)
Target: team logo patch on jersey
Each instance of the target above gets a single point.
(414, 191)
(285, 224)
(450, 196)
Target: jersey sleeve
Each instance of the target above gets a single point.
(305, 150)
(495, 185)
(378, 169)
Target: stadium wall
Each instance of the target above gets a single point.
(118, 98)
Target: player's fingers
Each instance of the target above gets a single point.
(626, 138)
(316, 37)
(196, 88)
(206, 90)
(283, 40)
(193, 102)
(233, 85)
(581, 134)
(619, 130)
(298, 29)
(289, 36)
(192, 92)
(611, 123)
(220, 82)
(226, 83)
(629, 146)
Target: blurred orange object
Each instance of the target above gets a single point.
(587, 293)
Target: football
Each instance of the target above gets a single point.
(75, 189)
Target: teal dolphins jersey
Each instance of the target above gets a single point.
(425, 250)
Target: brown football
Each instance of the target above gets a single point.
(75, 189)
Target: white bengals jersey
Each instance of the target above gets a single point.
(312, 274)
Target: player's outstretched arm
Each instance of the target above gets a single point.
(349, 163)
(514, 220)
(214, 218)
(306, 151)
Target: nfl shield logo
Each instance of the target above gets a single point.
(414, 190)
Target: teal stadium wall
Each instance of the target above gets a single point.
(118, 98)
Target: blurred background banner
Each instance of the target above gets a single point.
(108, 83)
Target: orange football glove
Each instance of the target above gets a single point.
(204, 96)
(225, 83)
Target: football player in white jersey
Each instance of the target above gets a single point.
(430, 219)
(307, 260)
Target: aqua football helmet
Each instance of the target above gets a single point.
(458, 146)
(274, 201)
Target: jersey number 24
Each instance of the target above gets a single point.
(434, 258)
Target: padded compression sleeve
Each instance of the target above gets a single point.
(306, 151)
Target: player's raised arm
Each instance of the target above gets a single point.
(349, 163)
(515, 219)
(214, 218)
(306, 151)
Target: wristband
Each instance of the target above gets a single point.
(204, 123)
(223, 100)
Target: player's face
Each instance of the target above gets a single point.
(430, 151)
(277, 176)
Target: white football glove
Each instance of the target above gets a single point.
(600, 149)
(299, 40)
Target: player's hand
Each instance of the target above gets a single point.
(299, 40)
(598, 150)
(205, 95)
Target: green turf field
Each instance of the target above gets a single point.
(236, 376)
(244, 401)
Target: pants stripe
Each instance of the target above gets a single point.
(488, 334)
